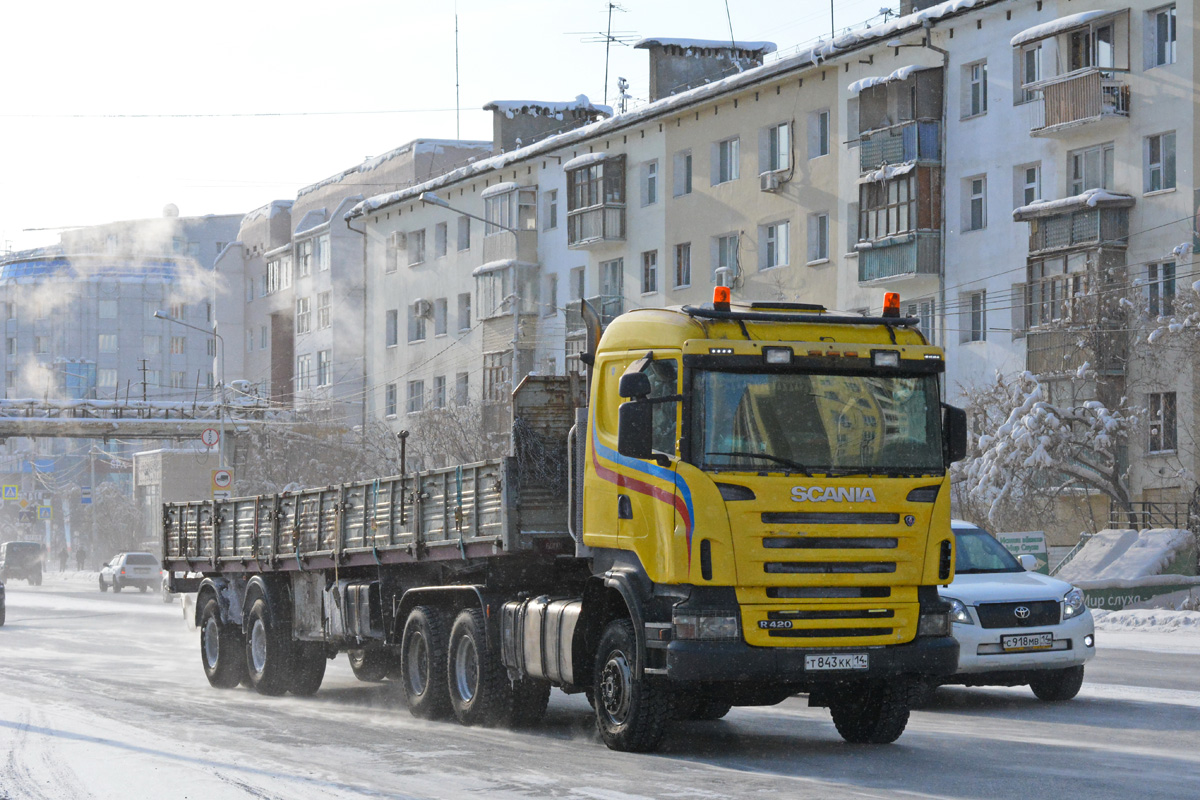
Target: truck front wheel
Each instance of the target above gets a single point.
(308, 668)
(631, 711)
(480, 693)
(423, 663)
(873, 714)
(268, 651)
(222, 651)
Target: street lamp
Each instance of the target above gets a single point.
(220, 377)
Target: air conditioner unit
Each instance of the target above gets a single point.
(422, 308)
(770, 181)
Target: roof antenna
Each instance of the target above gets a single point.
(732, 41)
(619, 37)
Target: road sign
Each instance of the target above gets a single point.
(210, 437)
(45, 512)
(11, 492)
(85, 495)
(26, 515)
(222, 484)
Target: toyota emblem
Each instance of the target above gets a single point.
(1021, 612)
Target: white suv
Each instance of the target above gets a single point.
(1015, 627)
(130, 569)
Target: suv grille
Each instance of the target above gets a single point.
(1004, 615)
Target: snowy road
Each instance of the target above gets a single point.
(102, 696)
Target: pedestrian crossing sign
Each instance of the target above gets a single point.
(11, 492)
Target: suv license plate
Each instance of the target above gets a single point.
(842, 661)
(1027, 641)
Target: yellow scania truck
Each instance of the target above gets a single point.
(754, 503)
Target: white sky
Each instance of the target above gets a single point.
(72, 73)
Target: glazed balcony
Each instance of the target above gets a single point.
(915, 140)
(897, 257)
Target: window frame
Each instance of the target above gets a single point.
(683, 265)
(1077, 167)
(1163, 409)
(649, 272)
(1165, 169)
(976, 198)
(818, 240)
(727, 160)
(975, 88)
(776, 248)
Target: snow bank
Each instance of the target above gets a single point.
(1148, 620)
(1127, 555)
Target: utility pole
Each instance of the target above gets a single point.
(143, 369)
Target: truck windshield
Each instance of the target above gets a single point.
(816, 423)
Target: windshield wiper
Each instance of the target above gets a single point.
(777, 459)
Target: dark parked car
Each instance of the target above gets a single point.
(22, 560)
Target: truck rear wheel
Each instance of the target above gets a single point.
(873, 714)
(369, 665)
(631, 712)
(423, 663)
(480, 693)
(222, 651)
(308, 668)
(1057, 685)
(268, 651)
(529, 701)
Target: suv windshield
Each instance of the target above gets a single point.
(977, 551)
(816, 423)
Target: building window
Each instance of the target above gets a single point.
(1028, 182)
(416, 322)
(1160, 289)
(304, 257)
(1091, 168)
(416, 247)
(550, 210)
(324, 255)
(106, 309)
(726, 158)
(683, 265)
(550, 307)
(274, 267)
(977, 303)
(263, 338)
(391, 334)
(818, 238)
(682, 179)
(324, 368)
(41, 344)
(303, 314)
(725, 259)
(464, 312)
(774, 247)
(303, 372)
(440, 232)
(440, 312)
(1161, 34)
(1030, 65)
(578, 283)
(106, 378)
(497, 387)
(178, 345)
(923, 310)
(818, 134)
(324, 308)
(1160, 162)
(439, 391)
(416, 397)
(177, 310)
(178, 379)
(649, 272)
(211, 347)
(612, 278)
(462, 384)
(250, 340)
(508, 210)
(649, 183)
(464, 233)
(389, 400)
(779, 146)
(1055, 285)
(1162, 422)
(975, 83)
(976, 208)
(151, 345)
(12, 346)
(107, 343)
(596, 201)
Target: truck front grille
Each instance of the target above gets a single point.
(828, 592)
(827, 518)
(829, 567)
(828, 543)
(828, 633)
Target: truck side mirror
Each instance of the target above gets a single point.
(954, 426)
(635, 428)
(634, 384)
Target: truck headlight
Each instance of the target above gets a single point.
(706, 626)
(958, 612)
(934, 624)
(1074, 603)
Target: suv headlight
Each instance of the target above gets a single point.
(958, 612)
(706, 626)
(1074, 603)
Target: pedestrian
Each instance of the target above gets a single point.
(62, 559)
(80, 555)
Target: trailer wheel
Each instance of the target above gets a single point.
(268, 651)
(1057, 685)
(480, 693)
(529, 700)
(631, 712)
(423, 663)
(308, 668)
(222, 651)
(872, 714)
(369, 665)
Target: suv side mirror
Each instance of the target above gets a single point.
(954, 428)
(635, 428)
(1028, 561)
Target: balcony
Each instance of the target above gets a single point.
(504, 245)
(1077, 98)
(604, 223)
(608, 306)
(904, 256)
(1091, 226)
(1061, 350)
(915, 140)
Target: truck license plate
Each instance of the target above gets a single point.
(1027, 641)
(841, 661)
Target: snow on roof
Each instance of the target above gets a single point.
(497, 266)
(899, 75)
(1056, 26)
(270, 210)
(1127, 554)
(499, 188)
(312, 219)
(706, 44)
(675, 102)
(373, 163)
(888, 171)
(1092, 198)
(584, 160)
(542, 108)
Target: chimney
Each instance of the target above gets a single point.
(517, 123)
(677, 65)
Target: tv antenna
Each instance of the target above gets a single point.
(609, 37)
